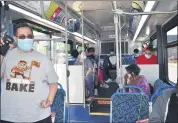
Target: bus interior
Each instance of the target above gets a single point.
(60, 27)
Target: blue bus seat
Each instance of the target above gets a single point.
(128, 59)
(129, 107)
(159, 87)
(158, 84)
(58, 105)
(71, 60)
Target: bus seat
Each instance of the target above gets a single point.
(158, 93)
(128, 60)
(129, 107)
(158, 84)
(71, 61)
(160, 87)
(58, 105)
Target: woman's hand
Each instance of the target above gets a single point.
(126, 78)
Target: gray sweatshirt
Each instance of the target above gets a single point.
(160, 108)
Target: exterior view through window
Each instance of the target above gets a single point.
(172, 64)
(172, 55)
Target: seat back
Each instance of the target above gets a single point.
(158, 84)
(128, 107)
(159, 87)
(128, 59)
(58, 106)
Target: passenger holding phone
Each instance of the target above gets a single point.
(6, 44)
(133, 78)
(28, 82)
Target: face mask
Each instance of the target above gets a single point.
(25, 44)
(112, 53)
(148, 56)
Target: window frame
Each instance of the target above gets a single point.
(172, 23)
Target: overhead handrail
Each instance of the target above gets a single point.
(119, 12)
(66, 53)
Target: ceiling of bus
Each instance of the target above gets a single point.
(150, 26)
(100, 13)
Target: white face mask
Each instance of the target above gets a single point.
(148, 56)
(112, 53)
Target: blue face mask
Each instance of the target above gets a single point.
(25, 44)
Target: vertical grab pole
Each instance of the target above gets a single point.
(99, 53)
(83, 78)
(120, 48)
(66, 50)
(98, 47)
(117, 45)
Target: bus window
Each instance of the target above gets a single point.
(42, 47)
(172, 64)
(154, 44)
(172, 35)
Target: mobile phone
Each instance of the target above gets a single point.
(7, 40)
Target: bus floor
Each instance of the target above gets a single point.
(100, 105)
(108, 92)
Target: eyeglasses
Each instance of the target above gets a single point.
(30, 36)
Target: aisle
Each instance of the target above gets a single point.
(108, 92)
(80, 114)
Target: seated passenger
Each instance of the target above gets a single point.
(148, 57)
(112, 59)
(73, 58)
(104, 63)
(136, 53)
(165, 109)
(101, 77)
(133, 78)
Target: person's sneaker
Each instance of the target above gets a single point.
(105, 86)
(96, 92)
(101, 85)
(89, 99)
(109, 80)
